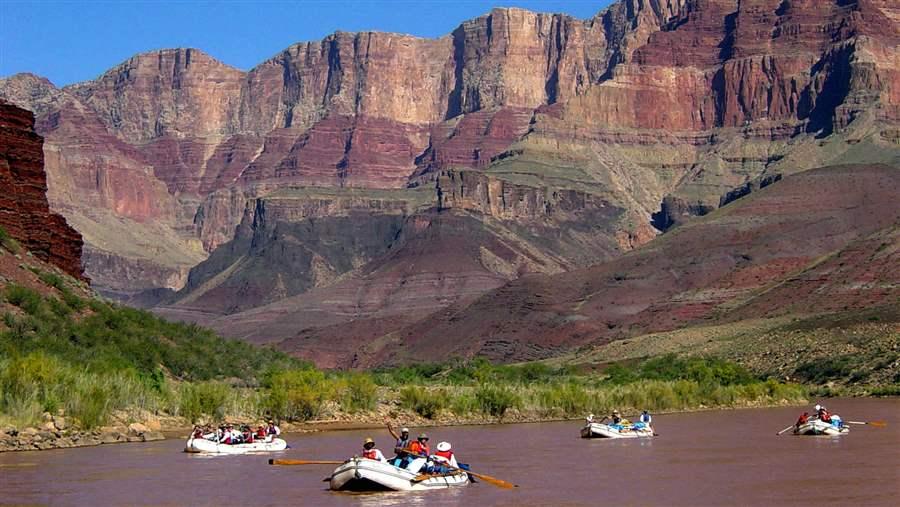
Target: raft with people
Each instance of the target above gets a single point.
(413, 468)
(363, 474)
(822, 422)
(618, 427)
(227, 440)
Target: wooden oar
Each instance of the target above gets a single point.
(877, 424)
(782, 431)
(304, 462)
(500, 483)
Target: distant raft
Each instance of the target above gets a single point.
(600, 430)
(365, 475)
(819, 427)
(202, 445)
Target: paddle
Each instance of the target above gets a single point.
(304, 462)
(486, 478)
(877, 424)
(782, 431)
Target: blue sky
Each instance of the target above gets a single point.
(71, 41)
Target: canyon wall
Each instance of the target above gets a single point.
(24, 212)
(568, 142)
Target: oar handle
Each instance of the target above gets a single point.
(304, 462)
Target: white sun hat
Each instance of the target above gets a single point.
(443, 446)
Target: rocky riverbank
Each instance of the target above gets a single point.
(56, 432)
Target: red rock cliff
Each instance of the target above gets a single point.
(24, 211)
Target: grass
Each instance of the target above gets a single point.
(8, 242)
(92, 359)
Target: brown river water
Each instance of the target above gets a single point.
(704, 458)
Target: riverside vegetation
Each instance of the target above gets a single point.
(91, 359)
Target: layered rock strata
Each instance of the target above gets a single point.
(24, 212)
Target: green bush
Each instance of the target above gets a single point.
(564, 400)
(296, 395)
(203, 399)
(29, 300)
(7, 242)
(358, 393)
(824, 369)
(886, 390)
(427, 403)
(496, 400)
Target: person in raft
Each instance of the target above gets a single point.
(401, 446)
(645, 417)
(823, 414)
(803, 419)
(419, 451)
(616, 418)
(272, 432)
(246, 434)
(444, 460)
(371, 452)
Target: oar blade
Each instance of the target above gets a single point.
(878, 424)
(495, 481)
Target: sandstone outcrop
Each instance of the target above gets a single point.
(24, 212)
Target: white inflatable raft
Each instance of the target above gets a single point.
(210, 447)
(361, 474)
(599, 430)
(819, 427)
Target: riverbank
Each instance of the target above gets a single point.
(55, 432)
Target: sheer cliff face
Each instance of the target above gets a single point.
(24, 212)
(650, 108)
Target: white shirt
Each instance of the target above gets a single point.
(441, 459)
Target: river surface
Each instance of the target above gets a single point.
(704, 458)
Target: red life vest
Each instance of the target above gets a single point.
(445, 454)
(370, 453)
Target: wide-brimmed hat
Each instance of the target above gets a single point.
(368, 441)
(615, 411)
(443, 446)
(404, 430)
(423, 436)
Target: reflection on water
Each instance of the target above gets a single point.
(411, 498)
(700, 459)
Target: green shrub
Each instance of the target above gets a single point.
(463, 404)
(358, 393)
(886, 390)
(427, 403)
(496, 400)
(29, 300)
(296, 395)
(203, 398)
(564, 399)
(824, 369)
(7, 242)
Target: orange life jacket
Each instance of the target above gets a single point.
(419, 448)
(370, 453)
